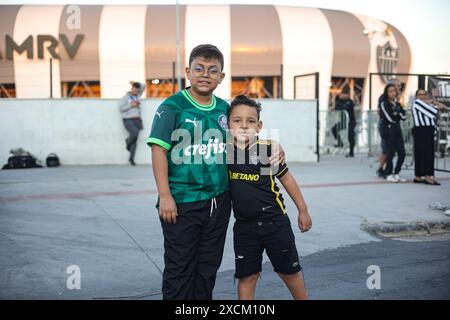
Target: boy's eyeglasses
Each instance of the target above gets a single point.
(199, 71)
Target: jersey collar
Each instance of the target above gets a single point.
(209, 107)
(250, 145)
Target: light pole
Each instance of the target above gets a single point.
(177, 14)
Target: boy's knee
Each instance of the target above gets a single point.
(252, 279)
(289, 277)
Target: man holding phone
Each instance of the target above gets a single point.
(131, 115)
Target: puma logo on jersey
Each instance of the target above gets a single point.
(191, 121)
(159, 114)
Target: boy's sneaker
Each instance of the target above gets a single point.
(380, 173)
(400, 179)
(392, 178)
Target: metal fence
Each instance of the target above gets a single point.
(442, 158)
(334, 136)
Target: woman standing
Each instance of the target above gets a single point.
(424, 112)
(399, 98)
(391, 112)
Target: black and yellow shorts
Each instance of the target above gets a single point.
(273, 235)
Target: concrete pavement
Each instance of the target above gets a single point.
(103, 219)
(409, 269)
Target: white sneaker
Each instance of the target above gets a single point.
(392, 178)
(400, 179)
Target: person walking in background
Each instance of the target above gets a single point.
(391, 112)
(343, 102)
(131, 115)
(424, 112)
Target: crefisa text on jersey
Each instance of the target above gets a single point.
(226, 309)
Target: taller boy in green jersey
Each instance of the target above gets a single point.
(183, 117)
(188, 139)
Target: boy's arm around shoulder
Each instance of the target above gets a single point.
(277, 154)
(290, 184)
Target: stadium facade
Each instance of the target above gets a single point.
(96, 50)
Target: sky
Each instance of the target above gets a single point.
(425, 24)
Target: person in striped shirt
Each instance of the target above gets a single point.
(424, 111)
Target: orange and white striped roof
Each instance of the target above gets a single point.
(123, 43)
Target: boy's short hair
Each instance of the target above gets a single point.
(136, 85)
(207, 51)
(243, 99)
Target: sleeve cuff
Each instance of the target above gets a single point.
(159, 142)
(282, 172)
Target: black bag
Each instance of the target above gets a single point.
(21, 160)
(52, 160)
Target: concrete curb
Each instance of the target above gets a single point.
(406, 228)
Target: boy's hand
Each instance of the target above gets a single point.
(304, 221)
(278, 155)
(168, 209)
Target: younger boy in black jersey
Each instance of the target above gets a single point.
(261, 219)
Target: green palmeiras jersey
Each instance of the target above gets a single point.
(194, 136)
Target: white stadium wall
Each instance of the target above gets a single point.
(289, 122)
(303, 54)
(121, 49)
(200, 20)
(32, 76)
(90, 131)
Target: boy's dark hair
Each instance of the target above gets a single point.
(243, 99)
(136, 85)
(207, 51)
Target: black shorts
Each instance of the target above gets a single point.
(275, 236)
